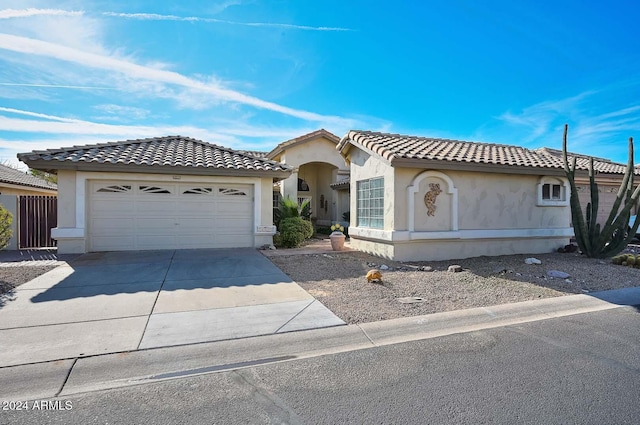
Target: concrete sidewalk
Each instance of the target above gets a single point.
(90, 373)
(112, 302)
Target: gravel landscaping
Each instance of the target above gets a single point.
(338, 280)
(11, 277)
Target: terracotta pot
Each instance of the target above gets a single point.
(337, 240)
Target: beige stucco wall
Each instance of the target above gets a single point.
(485, 201)
(317, 162)
(71, 232)
(476, 213)
(436, 250)
(313, 150)
(365, 166)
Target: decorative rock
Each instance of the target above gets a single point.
(532, 260)
(426, 268)
(411, 300)
(454, 268)
(374, 274)
(558, 274)
(384, 267)
(272, 247)
(568, 281)
(500, 269)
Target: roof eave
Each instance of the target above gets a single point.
(302, 139)
(48, 166)
(437, 164)
(14, 185)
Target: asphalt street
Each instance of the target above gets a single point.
(580, 369)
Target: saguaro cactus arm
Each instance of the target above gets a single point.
(593, 240)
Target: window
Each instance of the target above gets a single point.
(552, 192)
(370, 203)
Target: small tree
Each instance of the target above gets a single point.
(5, 227)
(614, 237)
(289, 208)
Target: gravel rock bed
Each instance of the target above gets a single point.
(338, 281)
(11, 277)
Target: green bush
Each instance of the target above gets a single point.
(5, 227)
(277, 240)
(294, 230)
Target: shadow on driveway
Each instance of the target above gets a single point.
(114, 273)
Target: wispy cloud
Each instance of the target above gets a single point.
(594, 127)
(130, 69)
(27, 13)
(58, 86)
(30, 12)
(158, 17)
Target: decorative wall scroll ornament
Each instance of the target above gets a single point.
(430, 198)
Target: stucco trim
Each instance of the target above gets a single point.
(67, 233)
(553, 180)
(406, 236)
(415, 187)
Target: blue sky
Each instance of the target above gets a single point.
(250, 74)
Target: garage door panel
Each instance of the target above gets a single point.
(109, 207)
(109, 226)
(155, 241)
(153, 224)
(197, 224)
(112, 243)
(134, 215)
(156, 207)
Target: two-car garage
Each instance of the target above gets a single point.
(135, 215)
(170, 192)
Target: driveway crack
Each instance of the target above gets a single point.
(164, 279)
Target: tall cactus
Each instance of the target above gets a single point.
(592, 240)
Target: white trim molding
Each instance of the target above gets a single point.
(415, 187)
(564, 196)
(405, 236)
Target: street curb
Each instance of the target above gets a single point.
(116, 370)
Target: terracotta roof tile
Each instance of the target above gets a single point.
(396, 147)
(17, 177)
(171, 151)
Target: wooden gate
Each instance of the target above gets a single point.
(37, 215)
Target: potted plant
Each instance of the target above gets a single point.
(337, 237)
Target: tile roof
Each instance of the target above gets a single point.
(20, 178)
(301, 139)
(169, 151)
(402, 149)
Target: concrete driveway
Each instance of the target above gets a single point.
(121, 301)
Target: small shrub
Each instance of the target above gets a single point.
(277, 240)
(294, 230)
(5, 227)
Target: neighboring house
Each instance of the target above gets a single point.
(416, 198)
(16, 182)
(160, 193)
(608, 176)
(318, 169)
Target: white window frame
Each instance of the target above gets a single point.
(370, 203)
(548, 184)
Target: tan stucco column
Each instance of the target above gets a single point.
(289, 187)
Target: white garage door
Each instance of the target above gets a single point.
(161, 215)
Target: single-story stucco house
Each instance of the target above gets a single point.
(417, 198)
(408, 197)
(160, 193)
